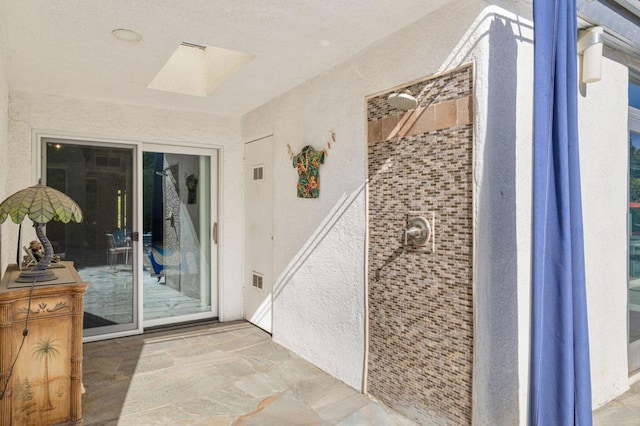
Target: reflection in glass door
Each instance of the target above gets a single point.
(100, 179)
(177, 228)
(148, 240)
(634, 240)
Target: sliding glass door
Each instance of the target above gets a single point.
(177, 233)
(148, 242)
(100, 178)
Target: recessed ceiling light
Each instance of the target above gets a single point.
(126, 35)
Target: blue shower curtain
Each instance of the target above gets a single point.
(559, 371)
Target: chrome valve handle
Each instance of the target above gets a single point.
(418, 231)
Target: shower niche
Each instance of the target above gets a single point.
(420, 247)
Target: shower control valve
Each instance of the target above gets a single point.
(418, 231)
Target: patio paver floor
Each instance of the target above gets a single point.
(216, 374)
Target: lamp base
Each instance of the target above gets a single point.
(36, 276)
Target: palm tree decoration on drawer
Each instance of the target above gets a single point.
(45, 349)
(42, 204)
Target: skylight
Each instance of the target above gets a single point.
(197, 70)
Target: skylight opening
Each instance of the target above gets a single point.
(196, 70)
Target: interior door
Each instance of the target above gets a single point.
(258, 232)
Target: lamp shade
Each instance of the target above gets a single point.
(42, 204)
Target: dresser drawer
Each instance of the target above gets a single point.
(43, 307)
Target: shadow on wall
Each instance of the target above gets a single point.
(330, 221)
(474, 35)
(496, 377)
(318, 300)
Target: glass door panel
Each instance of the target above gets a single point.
(176, 235)
(633, 305)
(100, 179)
(169, 195)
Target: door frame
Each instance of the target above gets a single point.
(247, 284)
(214, 208)
(633, 348)
(216, 152)
(117, 330)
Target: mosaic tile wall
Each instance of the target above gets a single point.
(420, 298)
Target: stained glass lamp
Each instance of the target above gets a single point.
(42, 204)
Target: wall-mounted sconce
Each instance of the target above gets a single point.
(590, 44)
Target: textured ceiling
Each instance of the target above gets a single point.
(65, 47)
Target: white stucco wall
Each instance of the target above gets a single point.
(503, 126)
(503, 173)
(29, 112)
(4, 158)
(500, 44)
(310, 261)
(319, 262)
(503, 225)
(604, 151)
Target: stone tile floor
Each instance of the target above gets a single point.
(216, 374)
(233, 374)
(623, 411)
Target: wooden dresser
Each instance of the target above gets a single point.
(46, 385)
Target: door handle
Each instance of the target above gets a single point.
(215, 233)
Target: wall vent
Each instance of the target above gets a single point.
(257, 280)
(258, 173)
